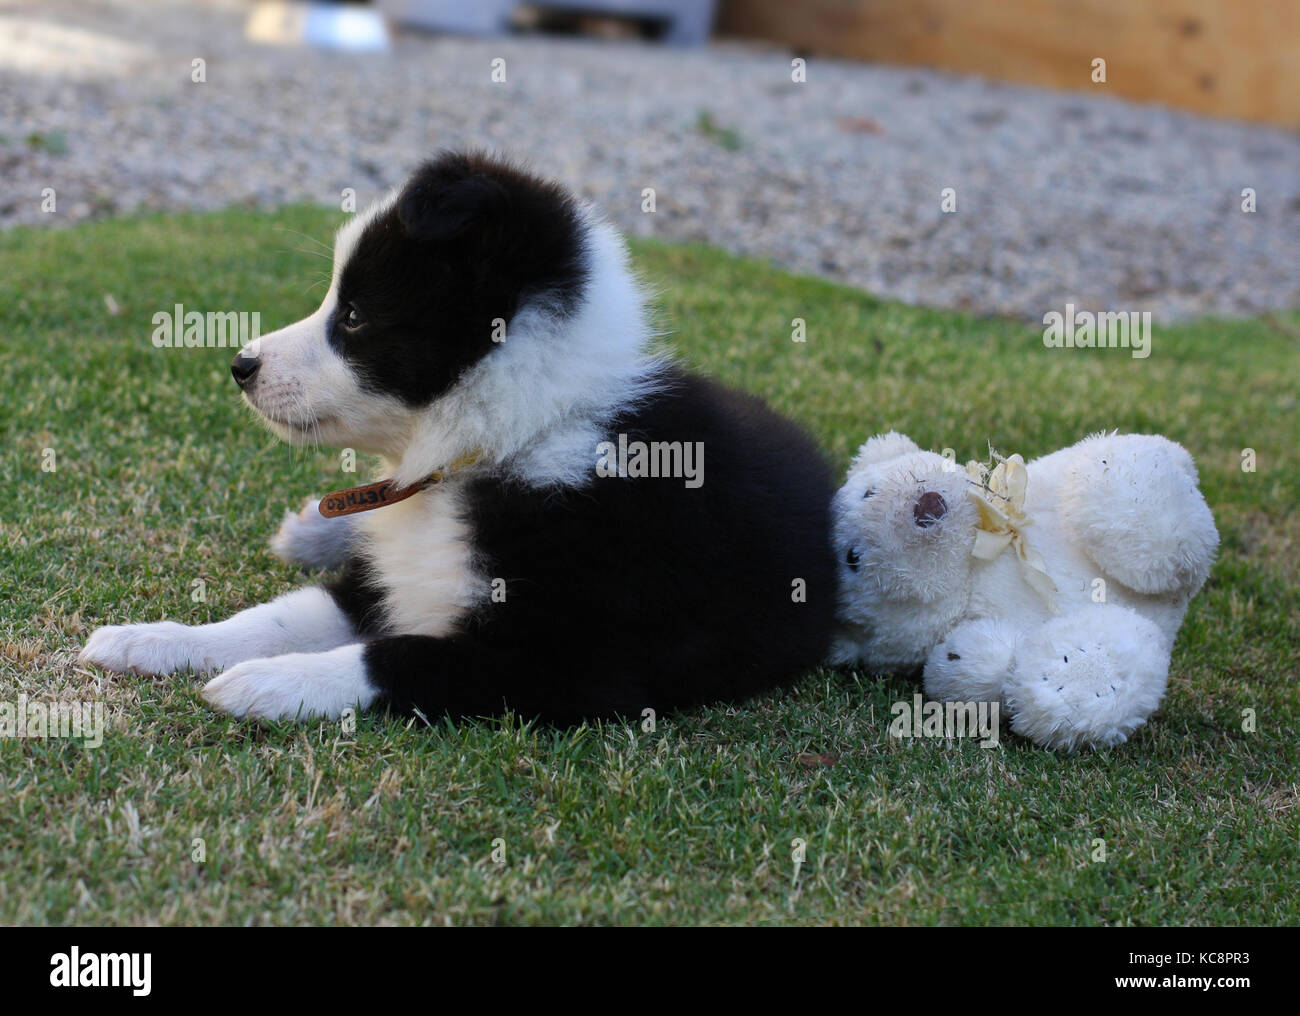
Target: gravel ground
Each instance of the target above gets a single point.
(1060, 197)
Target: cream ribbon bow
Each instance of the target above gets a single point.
(999, 496)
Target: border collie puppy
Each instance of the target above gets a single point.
(571, 526)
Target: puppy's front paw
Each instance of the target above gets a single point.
(155, 649)
(296, 685)
(310, 540)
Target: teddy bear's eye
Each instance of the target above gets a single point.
(867, 493)
(851, 558)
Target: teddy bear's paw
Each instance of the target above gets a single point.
(1132, 503)
(972, 663)
(1087, 679)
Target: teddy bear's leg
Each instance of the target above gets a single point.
(1087, 678)
(1132, 503)
(972, 663)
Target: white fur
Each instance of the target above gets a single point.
(535, 408)
(306, 619)
(422, 548)
(911, 586)
(1111, 473)
(307, 394)
(536, 403)
(971, 664)
(349, 234)
(309, 539)
(1088, 678)
(295, 685)
(1123, 509)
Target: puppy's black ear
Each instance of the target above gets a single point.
(435, 210)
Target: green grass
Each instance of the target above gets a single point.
(162, 479)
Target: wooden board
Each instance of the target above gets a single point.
(1238, 58)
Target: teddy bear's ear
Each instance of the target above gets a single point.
(883, 447)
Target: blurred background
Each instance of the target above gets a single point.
(820, 135)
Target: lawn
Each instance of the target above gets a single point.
(162, 480)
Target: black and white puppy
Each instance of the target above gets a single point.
(481, 315)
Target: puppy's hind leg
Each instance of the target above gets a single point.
(294, 686)
(311, 541)
(458, 677)
(464, 676)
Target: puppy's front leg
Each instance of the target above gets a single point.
(313, 542)
(306, 620)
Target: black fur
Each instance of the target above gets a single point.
(467, 241)
(622, 594)
(633, 593)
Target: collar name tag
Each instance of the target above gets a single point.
(365, 498)
(382, 493)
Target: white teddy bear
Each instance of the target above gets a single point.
(1055, 588)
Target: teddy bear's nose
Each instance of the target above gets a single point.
(929, 509)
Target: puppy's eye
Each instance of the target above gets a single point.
(867, 493)
(851, 558)
(348, 317)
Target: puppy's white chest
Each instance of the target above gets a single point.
(421, 553)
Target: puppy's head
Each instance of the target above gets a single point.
(425, 285)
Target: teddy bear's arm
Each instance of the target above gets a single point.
(1132, 502)
(972, 664)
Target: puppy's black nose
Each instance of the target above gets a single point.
(929, 509)
(244, 369)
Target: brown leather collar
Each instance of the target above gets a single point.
(380, 494)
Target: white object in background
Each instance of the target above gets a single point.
(479, 17)
(686, 22)
(327, 26)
